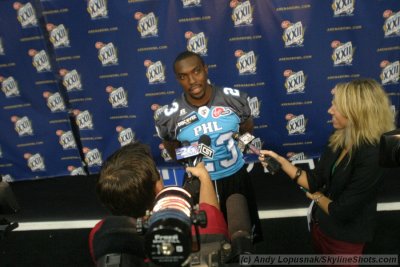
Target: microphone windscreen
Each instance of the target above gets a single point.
(238, 216)
(205, 139)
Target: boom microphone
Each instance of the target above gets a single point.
(245, 139)
(239, 225)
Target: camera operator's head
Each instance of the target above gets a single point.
(129, 181)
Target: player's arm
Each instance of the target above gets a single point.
(247, 126)
(240, 103)
(171, 146)
(165, 126)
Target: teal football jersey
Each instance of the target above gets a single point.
(219, 119)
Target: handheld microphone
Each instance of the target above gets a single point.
(186, 155)
(204, 149)
(239, 226)
(245, 139)
(194, 155)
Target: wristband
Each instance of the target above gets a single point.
(297, 176)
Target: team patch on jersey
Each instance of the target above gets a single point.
(220, 111)
(204, 111)
(187, 121)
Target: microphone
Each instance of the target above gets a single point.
(192, 156)
(245, 140)
(204, 149)
(239, 226)
(186, 154)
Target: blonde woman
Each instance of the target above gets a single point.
(345, 183)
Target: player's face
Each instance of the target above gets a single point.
(192, 76)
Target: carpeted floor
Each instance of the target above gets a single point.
(55, 248)
(73, 198)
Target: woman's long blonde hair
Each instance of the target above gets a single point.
(367, 107)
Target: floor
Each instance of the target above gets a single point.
(56, 215)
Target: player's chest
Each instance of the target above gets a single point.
(209, 121)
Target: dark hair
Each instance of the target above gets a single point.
(127, 181)
(186, 54)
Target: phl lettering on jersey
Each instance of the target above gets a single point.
(219, 119)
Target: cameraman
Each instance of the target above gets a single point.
(129, 182)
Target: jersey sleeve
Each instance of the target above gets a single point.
(165, 121)
(239, 102)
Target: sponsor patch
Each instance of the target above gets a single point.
(220, 111)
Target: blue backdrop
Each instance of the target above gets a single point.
(78, 78)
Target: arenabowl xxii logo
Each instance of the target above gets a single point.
(83, 119)
(118, 97)
(8, 178)
(246, 62)
(342, 54)
(2, 53)
(58, 35)
(293, 33)
(76, 170)
(147, 24)
(295, 124)
(92, 157)
(97, 9)
(23, 126)
(125, 135)
(391, 26)
(35, 162)
(242, 13)
(54, 101)
(66, 139)
(295, 81)
(343, 7)
(155, 71)
(254, 104)
(107, 53)
(9, 86)
(71, 80)
(26, 14)
(196, 43)
(390, 72)
(291, 156)
(40, 60)
(191, 3)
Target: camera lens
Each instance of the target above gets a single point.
(169, 238)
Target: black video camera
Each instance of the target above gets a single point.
(168, 228)
(165, 236)
(389, 149)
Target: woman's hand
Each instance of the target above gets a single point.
(321, 200)
(270, 153)
(314, 196)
